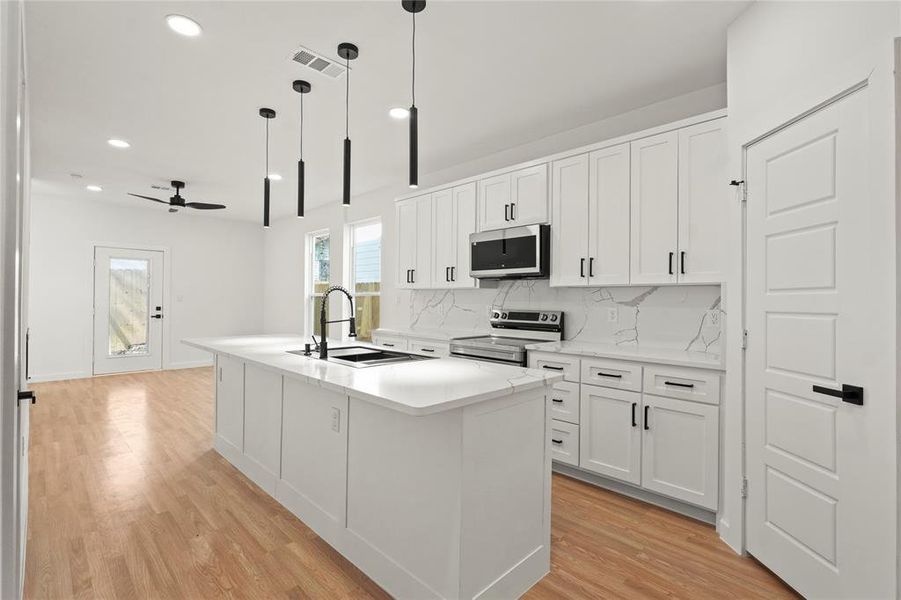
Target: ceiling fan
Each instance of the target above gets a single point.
(175, 202)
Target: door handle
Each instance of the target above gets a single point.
(852, 394)
(670, 263)
(506, 212)
(591, 267)
(156, 316)
(682, 262)
(634, 423)
(581, 267)
(26, 395)
(646, 426)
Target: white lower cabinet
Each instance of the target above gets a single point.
(230, 401)
(564, 404)
(680, 449)
(565, 442)
(429, 347)
(390, 342)
(262, 424)
(610, 433)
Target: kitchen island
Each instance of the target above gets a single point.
(431, 476)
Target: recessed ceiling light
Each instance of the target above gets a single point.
(183, 25)
(275, 177)
(93, 188)
(118, 143)
(398, 112)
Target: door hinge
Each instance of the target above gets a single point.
(744, 339)
(744, 487)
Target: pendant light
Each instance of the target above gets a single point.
(268, 114)
(348, 52)
(301, 87)
(413, 7)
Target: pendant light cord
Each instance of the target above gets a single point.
(267, 148)
(347, 98)
(301, 127)
(414, 59)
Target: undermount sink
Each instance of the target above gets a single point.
(362, 356)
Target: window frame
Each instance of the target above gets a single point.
(349, 279)
(309, 288)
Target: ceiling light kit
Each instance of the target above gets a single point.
(399, 113)
(301, 87)
(118, 143)
(93, 188)
(413, 7)
(183, 25)
(348, 52)
(268, 114)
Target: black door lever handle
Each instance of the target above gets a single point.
(851, 394)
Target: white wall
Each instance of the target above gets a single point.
(284, 266)
(214, 274)
(784, 58)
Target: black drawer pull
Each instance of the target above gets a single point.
(387, 344)
(613, 375)
(427, 349)
(634, 423)
(646, 426)
(557, 400)
(677, 384)
(851, 394)
(551, 368)
(558, 442)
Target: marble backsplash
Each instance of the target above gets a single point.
(684, 317)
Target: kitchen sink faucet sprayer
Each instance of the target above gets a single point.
(323, 323)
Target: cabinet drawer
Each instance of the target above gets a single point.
(685, 384)
(564, 402)
(429, 348)
(395, 343)
(565, 442)
(612, 373)
(567, 365)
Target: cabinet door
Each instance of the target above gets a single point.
(444, 252)
(680, 450)
(569, 217)
(422, 261)
(494, 202)
(528, 195)
(703, 193)
(406, 221)
(263, 422)
(608, 218)
(654, 168)
(230, 401)
(464, 225)
(610, 436)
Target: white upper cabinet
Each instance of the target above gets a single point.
(655, 172)
(464, 225)
(516, 198)
(703, 191)
(454, 219)
(590, 215)
(414, 241)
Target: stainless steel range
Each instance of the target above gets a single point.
(513, 330)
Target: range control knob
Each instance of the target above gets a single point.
(495, 315)
(504, 316)
(544, 317)
(553, 317)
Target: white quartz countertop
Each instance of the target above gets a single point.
(659, 355)
(417, 388)
(444, 335)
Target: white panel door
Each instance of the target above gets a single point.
(230, 400)
(494, 202)
(610, 436)
(569, 215)
(128, 310)
(821, 469)
(609, 222)
(528, 195)
(703, 193)
(444, 252)
(464, 226)
(407, 224)
(680, 449)
(654, 206)
(422, 263)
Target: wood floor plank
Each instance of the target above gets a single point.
(129, 500)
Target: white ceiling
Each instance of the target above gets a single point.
(491, 75)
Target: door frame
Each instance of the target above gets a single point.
(167, 295)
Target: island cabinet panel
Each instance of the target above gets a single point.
(262, 426)
(314, 454)
(229, 406)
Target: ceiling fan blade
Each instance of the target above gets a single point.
(204, 205)
(148, 198)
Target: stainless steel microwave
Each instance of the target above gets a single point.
(512, 253)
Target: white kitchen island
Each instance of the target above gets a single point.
(432, 476)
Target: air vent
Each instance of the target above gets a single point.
(327, 66)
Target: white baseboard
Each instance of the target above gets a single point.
(189, 364)
(59, 376)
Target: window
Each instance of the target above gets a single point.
(318, 279)
(365, 245)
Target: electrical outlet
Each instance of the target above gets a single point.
(713, 317)
(336, 419)
(612, 315)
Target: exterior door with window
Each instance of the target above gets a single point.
(128, 310)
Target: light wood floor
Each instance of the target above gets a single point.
(128, 500)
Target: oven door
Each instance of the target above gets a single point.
(517, 252)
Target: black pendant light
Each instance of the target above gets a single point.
(301, 87)
(268, 114)
(348, 52)
(413, 7)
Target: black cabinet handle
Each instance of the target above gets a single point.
(506, 212)
(677, 384)
(682, 262)
(156, 316)
(581, 267)
(646, 426)
(412, 275)
(591, 267)
(852, 394)
(446, 273)
(551, 368)
(670, 263)
(512, 207)
(613, 375)
(388, 344)
(557, 441)
(557, 400)
(634, 423)
(427, 349)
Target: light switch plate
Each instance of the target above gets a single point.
(336, 419)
